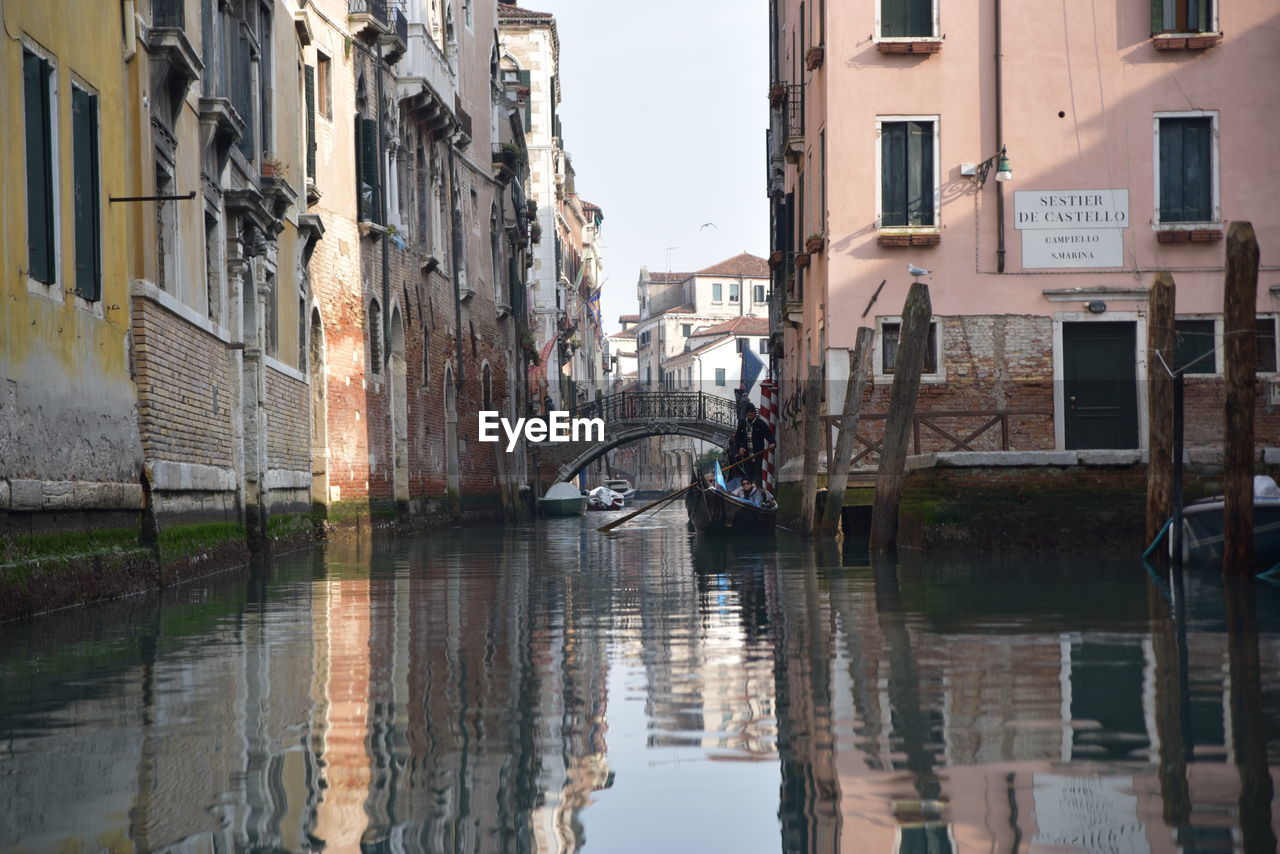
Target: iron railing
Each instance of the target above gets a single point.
(400, 26)
(168, 14)
(795, 110)
(376, 9)
(661, 406)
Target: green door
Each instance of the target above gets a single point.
(1100, 390)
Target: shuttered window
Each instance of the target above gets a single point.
(906, 173)
(242, 91)
(906, 18)
(88, 204)
(1266, 345)
(309, 83)
(1194, 347)
(889, 334)
(1186, 175)
(367, 185)
(1181, 16)
(720, 379)
(36, 79)
(528, 99)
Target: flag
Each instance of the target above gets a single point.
(751, 368)
(720, 477)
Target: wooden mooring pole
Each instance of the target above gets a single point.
(1240, 330)
(1161, 338)
(913, 340)
(838, 465)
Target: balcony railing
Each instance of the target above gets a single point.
(168, 14)
(400, 26)
(374, 8)
(795, 110)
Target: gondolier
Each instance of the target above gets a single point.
(753, 438)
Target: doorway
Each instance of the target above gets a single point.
(1099, 385)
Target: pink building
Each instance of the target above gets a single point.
(1133, 137)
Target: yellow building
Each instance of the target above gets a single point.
(70, 452)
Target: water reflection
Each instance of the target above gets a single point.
(554, 690)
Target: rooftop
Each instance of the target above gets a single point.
(744, 264)
(738, 326)
(510, 10)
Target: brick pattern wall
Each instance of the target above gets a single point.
(184, 388)
(288, 423)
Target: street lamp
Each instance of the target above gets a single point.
(978, 172)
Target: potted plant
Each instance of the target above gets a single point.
(777, 92)
(813, 57)
(776, 257)
(813, 243)
(535, 232)
(272, 167)
(802, 260)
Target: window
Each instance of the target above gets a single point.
(486, 387)
(273, 318)
(764, 346)
(266, 83)
(1266, 345)
(1194, 346)
(466, 13)
(717, 292)
(907, 173)
(1185, 185)
(1182, 16)
(426, 356)
(906, 19)
(686, 329)
(889, 333)
(743, 344)
(37, 83)
(367, 183)
(735, 292)
(375, 338)
(309, 85)
(759, 293)
(88, 204)
(720, 376)
(324, 85)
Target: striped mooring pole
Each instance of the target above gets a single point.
(769, 412)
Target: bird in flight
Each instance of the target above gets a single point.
(705, 224)
(916, 271)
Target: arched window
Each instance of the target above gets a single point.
(486, 387)
(375, 337)
(426, 356)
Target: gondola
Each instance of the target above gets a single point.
(714, 511)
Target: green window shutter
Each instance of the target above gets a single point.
(35, 82)
(360, 209)
(1171, 188)
(1194, 340)
(309, 81)
(370, 191)
(84, 137)
(1157, 17)
(919, 18)
(893, 18)
(1204, 19)
(920, 173)
(1186, 180)
(528, 99)
(893, 174)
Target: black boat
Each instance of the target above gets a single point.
(714, 511)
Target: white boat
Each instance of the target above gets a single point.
(604, 498)
(621, 486)
(563, 499)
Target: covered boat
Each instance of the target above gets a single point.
(1202, 528)
(563, 499)
(714, 511)
(604, 498)
(621, 486)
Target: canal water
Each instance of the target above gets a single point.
(553, 689)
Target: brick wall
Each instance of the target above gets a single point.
(184, 388)
(288, 423)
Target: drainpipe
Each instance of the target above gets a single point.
(999, 143)
(130, 31)
(382, 214)
(455, 243)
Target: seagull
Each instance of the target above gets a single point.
(705, 224)
(916, 271)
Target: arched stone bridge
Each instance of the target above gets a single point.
(632, 415)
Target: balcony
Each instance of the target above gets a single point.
(368, 18)
(168, 14)
(425, 78)
(793, 110)
(396, 42)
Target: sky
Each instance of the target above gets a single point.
(664, 106)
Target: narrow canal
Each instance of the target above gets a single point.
(552, 689)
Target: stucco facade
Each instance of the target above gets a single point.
(1028, 276)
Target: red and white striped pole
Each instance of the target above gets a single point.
(769, 412)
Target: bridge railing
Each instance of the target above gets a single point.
(658, 406)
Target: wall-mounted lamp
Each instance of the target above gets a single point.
(979, 171)
(1096, 306)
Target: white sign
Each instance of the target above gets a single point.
(1071, 228)
(1078, 247)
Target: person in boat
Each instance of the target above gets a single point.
(753, 438)
(748, 491)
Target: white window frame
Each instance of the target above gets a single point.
(732, 298)
(714, 286)
(1215, 220)
(881, 378)
(54, 290)
(936, 37)
(759, 294)
(721, 377)
(936, 228)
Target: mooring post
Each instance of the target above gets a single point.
(913, 340)
(1239, 321)
(838, 464)
(812, 439)
(1161, 339)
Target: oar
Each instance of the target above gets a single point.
(666, 498)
